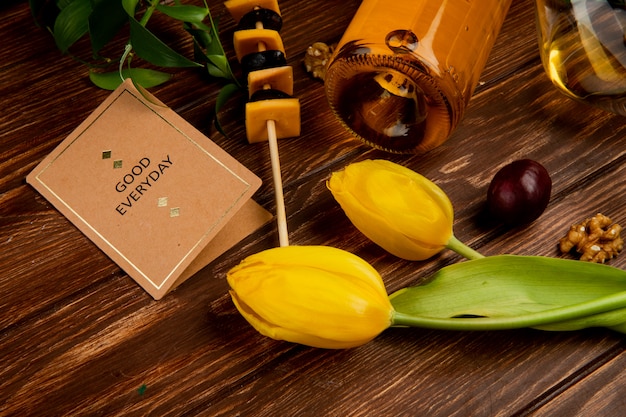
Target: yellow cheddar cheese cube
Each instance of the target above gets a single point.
(278, 78)
(285, 112)
(254, 40)
(237, 8)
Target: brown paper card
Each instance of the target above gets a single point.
(156, 195)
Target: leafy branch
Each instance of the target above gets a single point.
(102, 21)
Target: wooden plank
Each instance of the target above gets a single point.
(598, 390)
(80, 337)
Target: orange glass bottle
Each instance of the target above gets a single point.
(404, 70)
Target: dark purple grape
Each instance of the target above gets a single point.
(519, 192)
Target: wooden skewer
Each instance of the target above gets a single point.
(281, 216)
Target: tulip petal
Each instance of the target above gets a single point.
(314, 295)
(395, 207)
(279, 333)
(292, 299)
(324, 257)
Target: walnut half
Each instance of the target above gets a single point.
(316, 59)
(596, 239)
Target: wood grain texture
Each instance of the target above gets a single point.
(79, 337)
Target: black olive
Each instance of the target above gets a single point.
(269, 18)
(268, 94)
(262, 60)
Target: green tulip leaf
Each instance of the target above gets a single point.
(106, 19)
(71, 23)
(146, 78)
(193, 14)
(508, 291)
(153, 50)
(130, 6)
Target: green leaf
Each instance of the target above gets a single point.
(217, 63)
(106, 19)
(71, 24)
(147, 78)
(201, 37)
(61, 4)
(209, 49)
(193, 14)
(218, 66)
(225, 94)
(153, 50)
(130, 6)
(207, 37)
(507, 291)
(215, 47)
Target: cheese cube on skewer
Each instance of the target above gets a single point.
(285, 112)
(238, 8)
(279, 78)
(254, 40)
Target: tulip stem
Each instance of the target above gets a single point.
(462, 249)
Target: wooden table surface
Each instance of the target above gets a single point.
(79, 337)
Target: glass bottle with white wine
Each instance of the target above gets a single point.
(583, 49)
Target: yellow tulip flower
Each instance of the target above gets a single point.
(397, 208)
(313, 295)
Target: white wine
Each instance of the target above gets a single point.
(583, 49)
(404, 70)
